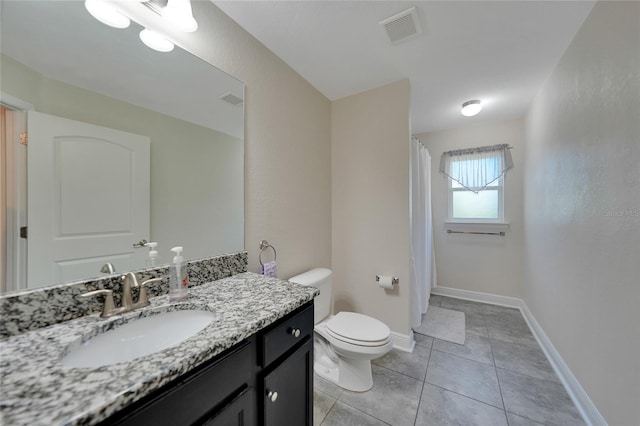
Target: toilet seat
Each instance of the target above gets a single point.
(358, 329)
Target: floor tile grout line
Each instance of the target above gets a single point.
(328, 411)
(364, 412)
(558, 382)
(495, 368)
(335, 399)
(399, 372)
(464, 396)
(460, 356)
(463, 358)
(524, 417)
(424, 381)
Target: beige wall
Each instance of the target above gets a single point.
(490, 264)
(287, 145)
(582, 209)
(370, 189)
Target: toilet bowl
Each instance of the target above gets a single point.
(344, 344)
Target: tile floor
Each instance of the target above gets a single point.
(500, 376)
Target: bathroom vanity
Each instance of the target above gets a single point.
(267, 379)
(253, 365)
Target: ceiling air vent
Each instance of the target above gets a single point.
(402, 26)
(231, 99)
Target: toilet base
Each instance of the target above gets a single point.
(348, 373)
(344, 364)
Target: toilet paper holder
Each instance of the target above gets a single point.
(394, 280)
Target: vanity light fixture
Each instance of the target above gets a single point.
(107, 14)
(179, 13)
(471, 108)
(176, 13)
(155, 40)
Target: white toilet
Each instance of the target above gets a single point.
(344, 344)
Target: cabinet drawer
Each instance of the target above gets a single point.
(285, 335)
(189, 398)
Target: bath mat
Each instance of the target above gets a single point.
(443, 324)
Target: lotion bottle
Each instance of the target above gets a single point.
(178, 278)
(152, 260)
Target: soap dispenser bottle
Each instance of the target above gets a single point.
(152, 260)
(178, 277)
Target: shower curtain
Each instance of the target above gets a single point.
(423, 270)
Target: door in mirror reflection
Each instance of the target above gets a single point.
(88, 199)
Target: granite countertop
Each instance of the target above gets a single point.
(36, 389)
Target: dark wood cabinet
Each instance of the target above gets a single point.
(239, 412)
(198, 395)
(233, 388)
(291, 382)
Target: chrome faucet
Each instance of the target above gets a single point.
(129, 280)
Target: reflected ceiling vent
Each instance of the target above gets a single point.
(231, 99)
(402, 26)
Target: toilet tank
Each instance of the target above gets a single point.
(319, 278)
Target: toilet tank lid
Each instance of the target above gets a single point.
(311, 277)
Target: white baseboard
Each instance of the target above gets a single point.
(475, 296)
(583, 403)
(403, 342)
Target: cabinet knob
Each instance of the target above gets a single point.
(272, 396)
(295, 332)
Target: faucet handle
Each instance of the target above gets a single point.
(143, 299)
(109, 306)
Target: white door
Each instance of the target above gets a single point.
(88, 199)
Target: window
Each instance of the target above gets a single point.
(476, 183)
(484, 205)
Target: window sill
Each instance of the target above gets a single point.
(482, 227)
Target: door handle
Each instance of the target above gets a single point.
(140, 243)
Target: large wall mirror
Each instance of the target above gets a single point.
(124, 144)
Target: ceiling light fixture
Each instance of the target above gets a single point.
(471, 108)
(155, 40)
(105, 13)
(178, 12)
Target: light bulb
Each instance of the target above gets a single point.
(155, 41)
(107, 14)
(471, 108)
(178, 12)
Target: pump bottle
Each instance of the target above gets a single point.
(152, 260)
(178, 277)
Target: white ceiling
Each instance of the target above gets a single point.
(496, 51)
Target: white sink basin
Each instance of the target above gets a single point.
(138, 338)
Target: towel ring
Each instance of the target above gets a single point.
(264, 244)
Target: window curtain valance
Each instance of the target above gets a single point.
(475, 168)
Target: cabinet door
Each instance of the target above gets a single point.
(239, 412)
(287, 397)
